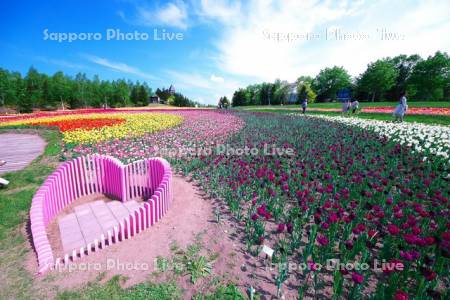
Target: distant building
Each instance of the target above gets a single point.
(292, 93)
(154, 99)
(171, 89)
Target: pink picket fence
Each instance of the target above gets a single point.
(149, 179)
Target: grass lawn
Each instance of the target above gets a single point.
(15, 201)
(426, 119)
(339, 105)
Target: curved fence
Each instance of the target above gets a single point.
(149, 179)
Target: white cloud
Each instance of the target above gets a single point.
(242, 54)
(215, 78)
(172, 14)
(189, 80)
(243, 49)
(119, 66)
(203, 88)
(218, 9)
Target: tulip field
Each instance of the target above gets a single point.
(351, 192)
(348, 194)
(93, 127)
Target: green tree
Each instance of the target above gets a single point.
(142, 96)
(106, 93)
(430, 78)
(280, 91)
(329, 81)
(224, 102)
(7, 91)
(239, 98)
(304, 91)
(32, 95)
(59, 89)
(171, 100)
(379, 77)
(134, 96)
(79, 96)
(45, 97)
(95, 88)
(405, 65)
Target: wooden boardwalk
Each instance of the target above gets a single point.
(18, 150)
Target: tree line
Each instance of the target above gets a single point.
(383, 80)
(40, 91)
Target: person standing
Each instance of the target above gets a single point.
(304, 105)
(355, 106)
(401, 108)
(346, 106)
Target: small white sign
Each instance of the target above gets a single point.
(267, 250)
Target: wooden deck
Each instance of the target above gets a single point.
(18, 150)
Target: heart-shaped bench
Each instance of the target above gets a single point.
(148, 179)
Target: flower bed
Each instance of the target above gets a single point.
(445, 111)
(94, 127)
(425, 139)
(354, 190)
(346, 194)
(200, 129)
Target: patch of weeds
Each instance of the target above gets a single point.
(193, 250)
(198, 268)
(213, 256)
(112, 290)
(187, 262)
(162, 264)
(229, 291)
(174, 246)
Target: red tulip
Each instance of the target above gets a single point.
(372, 233)
(323, 241)
(401, 295)
(393, 229)
(357, 278)
(289, 227)
(429, 274)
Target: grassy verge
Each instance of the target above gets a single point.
(182, 264)
(362, 105)
(112, 290)
(426, 119)
(15, 200)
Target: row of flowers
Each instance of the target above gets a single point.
(445, 111)
(422, 138)
(91, 128)
(346, 194)
(357, 195)
(200, 129)
(42, 114)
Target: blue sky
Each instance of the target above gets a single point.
(225, 44)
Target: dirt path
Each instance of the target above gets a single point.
(190, 219)
(19, 150)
